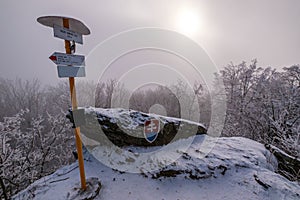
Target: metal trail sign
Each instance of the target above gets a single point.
(69, 71)
(67, 59)
(67, 34)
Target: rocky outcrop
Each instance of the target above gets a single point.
(126, 127)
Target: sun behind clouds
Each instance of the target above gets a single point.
(188, 22)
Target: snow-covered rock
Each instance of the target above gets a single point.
(235, 168)
(126, 127)
(190, 167)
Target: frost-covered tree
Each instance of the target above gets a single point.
(18, 94)
(104, 93)
(263, 104)
(27, 154)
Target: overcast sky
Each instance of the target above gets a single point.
(229, 30)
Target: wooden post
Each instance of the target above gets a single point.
(74, 107)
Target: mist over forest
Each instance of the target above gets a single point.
(36, 138)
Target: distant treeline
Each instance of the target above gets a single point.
(36, 138)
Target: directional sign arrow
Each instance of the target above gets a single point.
(67, 59)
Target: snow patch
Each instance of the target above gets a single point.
(236, 168)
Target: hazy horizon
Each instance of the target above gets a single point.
(229, 31)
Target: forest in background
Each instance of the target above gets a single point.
(263, 104)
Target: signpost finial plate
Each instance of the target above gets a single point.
(74, 24)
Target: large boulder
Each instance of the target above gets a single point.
(126, 127)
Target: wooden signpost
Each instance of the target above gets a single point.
(69, 29)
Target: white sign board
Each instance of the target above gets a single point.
(67, 59)
(67, 34)
(69, 71)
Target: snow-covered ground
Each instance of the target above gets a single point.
(195, 167)
(235, 168)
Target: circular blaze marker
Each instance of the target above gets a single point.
(74, 24)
